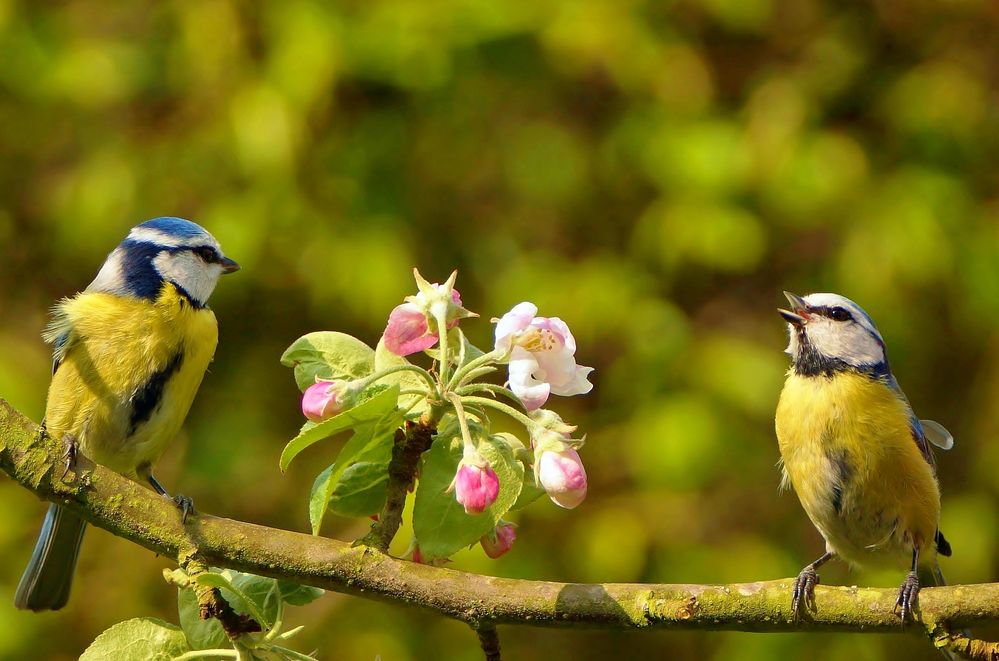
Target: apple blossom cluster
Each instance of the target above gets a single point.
(470, 477)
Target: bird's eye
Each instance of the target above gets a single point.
(207, 254)
(839, 314)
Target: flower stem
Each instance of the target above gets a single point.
(459, 410)
(441, 319)
(463, 371)
(201, 654)
(472, 388)
(503, 408)
(368, 380)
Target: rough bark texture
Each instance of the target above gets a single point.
(409, 445)
(129, 510)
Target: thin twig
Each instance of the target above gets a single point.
(490, 643)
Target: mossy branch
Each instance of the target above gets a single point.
(129, 510)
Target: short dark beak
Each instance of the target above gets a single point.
(228, 266)
(798, 314)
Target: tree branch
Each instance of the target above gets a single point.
(409, 445)
(128, 510)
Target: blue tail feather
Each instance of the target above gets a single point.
(48, 578)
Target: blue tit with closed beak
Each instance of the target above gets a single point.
(853, 450)
(129, 355)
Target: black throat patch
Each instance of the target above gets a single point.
(809, 362)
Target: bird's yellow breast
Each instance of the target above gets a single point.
(129, 371)
(847, 447)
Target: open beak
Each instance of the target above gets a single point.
(798, 314)
(228, 265)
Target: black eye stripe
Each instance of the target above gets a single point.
(207, 253)
(835, 313)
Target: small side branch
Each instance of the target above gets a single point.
(211, 603)
(490, 643)
(961, 646)
(409, 445)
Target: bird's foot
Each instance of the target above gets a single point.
(907, 603)
(185, 504)
(69, 456)
(803, 592)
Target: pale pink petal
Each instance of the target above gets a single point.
(557, 369)
(523, 368)
(456, 298)
(563, 477)
(560, 328)
(577, 385)
(514, 321)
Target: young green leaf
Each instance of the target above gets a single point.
(467, 352)
(371, 442)
(528, 494)
(298, 595)
(246, 593)
(441, 525)
(362, 489)
(138, 639)
(367, 411)
(460, 349)
(319, 497)
(201, 634)
(328, 355)
(406, 380)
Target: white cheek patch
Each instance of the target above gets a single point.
(792, 342)
(110, 278)
(189, 272)
(835, 300)
(849, 341)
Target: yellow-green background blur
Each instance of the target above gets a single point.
(653, 172)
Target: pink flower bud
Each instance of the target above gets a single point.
(412, 326)
(407, 331)
(475, 486)
(417, 556)
(323, 400)
(563, 477)
(500, 540)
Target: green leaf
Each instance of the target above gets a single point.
(368, 411)
(328, 355)
(385, 359)
(362, 489)
(439, 522)
(139, 639)
(529, 493)
(371, 442)
(467, 352)
(246, 593)
(201, 634)
(261, 590)
(319, 497)
(298, 595)
(460, 349)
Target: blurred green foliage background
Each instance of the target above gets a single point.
(653, 172)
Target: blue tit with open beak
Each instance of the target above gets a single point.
(852, 449)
